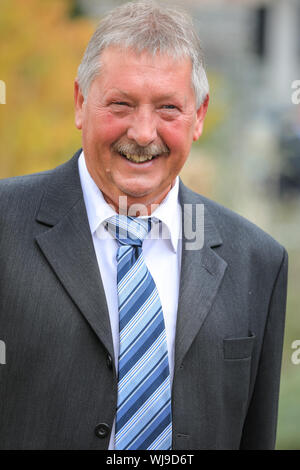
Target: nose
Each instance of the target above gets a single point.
(142, 128)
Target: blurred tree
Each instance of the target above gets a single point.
(41, 48)
(76, 9)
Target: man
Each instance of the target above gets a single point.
(73, 291)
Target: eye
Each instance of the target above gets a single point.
(120, 103)
(168, 106)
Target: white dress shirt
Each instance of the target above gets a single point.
(162, 256)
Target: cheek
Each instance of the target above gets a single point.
(104, 129)
(112, 128)
(178, 137)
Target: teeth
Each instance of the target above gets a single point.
(138, 158)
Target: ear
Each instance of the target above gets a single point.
(79, 103)
(201, 113)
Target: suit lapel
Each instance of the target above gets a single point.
(202, 271)
(67, 245)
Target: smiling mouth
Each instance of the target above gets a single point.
(138, 158)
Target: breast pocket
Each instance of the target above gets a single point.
(238, 348)
(235, 382)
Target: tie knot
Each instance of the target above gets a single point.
(128, 230)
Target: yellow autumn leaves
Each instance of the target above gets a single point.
(40, 50)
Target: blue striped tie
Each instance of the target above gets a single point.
(144, 394)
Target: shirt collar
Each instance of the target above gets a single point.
(98, 210)
(169, 212)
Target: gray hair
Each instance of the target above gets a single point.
(146, 26)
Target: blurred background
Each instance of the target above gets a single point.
(249, 156)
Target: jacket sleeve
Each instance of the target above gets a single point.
(259, 430)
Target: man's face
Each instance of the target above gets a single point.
(139, 107)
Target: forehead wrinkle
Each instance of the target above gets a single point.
(143, 71)
(122, 92)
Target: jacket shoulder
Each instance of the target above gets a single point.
(18, 191)
(25, 190)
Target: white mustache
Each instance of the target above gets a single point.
(132, 148)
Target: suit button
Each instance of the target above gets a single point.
(109, 361)
(102, 430)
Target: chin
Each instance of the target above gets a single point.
(138, 188)
(137, 193)
(143, 191)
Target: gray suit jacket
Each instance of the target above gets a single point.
(59, 381)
